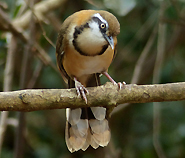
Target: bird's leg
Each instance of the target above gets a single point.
(81, 90)
(112, 80)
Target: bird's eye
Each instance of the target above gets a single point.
(102, 25)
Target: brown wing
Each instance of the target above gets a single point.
(60, 52)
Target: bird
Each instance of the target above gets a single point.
(85, 48)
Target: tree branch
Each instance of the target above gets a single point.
(106, 95)
(40, 10)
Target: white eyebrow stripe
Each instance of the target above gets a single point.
(100, 17)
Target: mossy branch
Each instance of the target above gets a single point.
(106, 95)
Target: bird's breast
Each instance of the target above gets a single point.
(78, 65)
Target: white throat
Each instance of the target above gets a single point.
(91, 39)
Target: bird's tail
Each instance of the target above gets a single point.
(87, 126)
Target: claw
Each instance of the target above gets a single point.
(120, 85)
(81, 90)
(124, 83)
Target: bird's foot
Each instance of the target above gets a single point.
(81, 90)
(120, 85)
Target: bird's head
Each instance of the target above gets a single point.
(92, 32)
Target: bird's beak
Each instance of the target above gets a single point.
(109, 40)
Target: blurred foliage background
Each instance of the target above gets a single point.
(151, 45)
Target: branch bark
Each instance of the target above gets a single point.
(106, 95)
